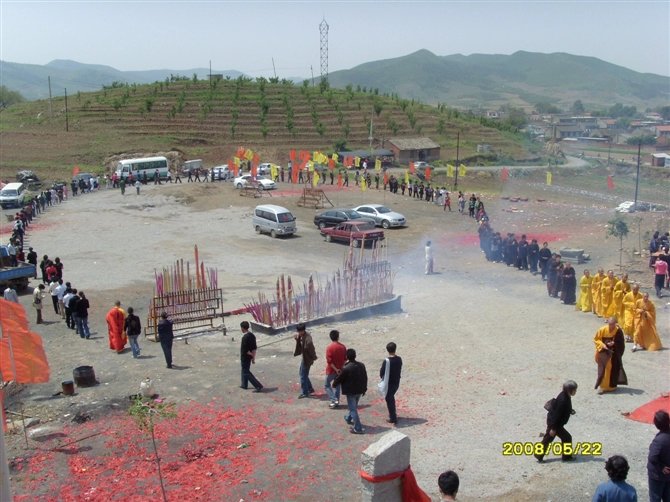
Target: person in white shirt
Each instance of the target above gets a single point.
(12, 253)
(60, 293)
(69, 321)
(10, 295)
(429, 258)
(54, 294)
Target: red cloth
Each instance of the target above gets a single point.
(336, 354)
(645, 413)
(115, 320)
(410, 489)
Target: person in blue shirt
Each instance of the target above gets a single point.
(616, 489)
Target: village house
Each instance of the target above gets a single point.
(407, 150)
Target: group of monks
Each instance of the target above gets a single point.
(609, 296)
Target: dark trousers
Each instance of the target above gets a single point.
(166, 345)
(247, 376)
(68, 318)
(533, 263)
(547, 439)
(390, 402)
(659, 491)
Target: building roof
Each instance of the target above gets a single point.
(660, 155)
(379, 152)
(663, 128)
(413, 143)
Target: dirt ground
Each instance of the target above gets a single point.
(483, 348)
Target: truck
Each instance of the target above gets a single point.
(17, 276)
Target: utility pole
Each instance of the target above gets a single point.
(66, 118)
(370, 135)
(312, 70)
(51, 111)
(274, 70)
(458, 144)
(210, 73)
(637, 177)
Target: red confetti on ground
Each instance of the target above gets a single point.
(208, 452)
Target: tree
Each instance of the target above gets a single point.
(665, 112)
(577, 107)
(618, 228)
(9, 97)
(644, 139)
(545, 108)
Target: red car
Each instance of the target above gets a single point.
(356, 231)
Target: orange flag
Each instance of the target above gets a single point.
(428, 174)
(253, 170)
(22, 356)
(610, 182)
(504, 174)
(386, 178)
(339, 180)
(411, 168)
(292, 156)
(331, 164)
(75, 171)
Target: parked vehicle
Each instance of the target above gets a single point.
(259, 182)
(27, 177)
(221, 172)
(383, 216)
(190, 166)
(332, 217)
(264, 168)
(12, 195)
(18, 276)
(83, 176)
(357, 233)
(138, 167)
(273, 220)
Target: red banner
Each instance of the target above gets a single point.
(610, 182)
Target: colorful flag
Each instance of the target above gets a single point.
(610, 182)
(331, 164)
(407, 177)
(427, 173)
(357, 161)
(462, 170)
(315, 178)
(335, 157)
(386, 178)
(273, 171)
(236, 161)
(253, 170)
(248, 155)
(411, 168)
(340, 181)
(364, 185)
(450, 170)
(378, 165)
(504, 174)
(240, 151)
(549, 178)
(292, 156)
(75, 171)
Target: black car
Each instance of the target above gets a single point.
(333, 217)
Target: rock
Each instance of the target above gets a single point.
(31, 422)
(45, 433)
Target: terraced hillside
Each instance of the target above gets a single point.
(210, 122)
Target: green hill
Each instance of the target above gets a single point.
(521, 79)
(211, 123)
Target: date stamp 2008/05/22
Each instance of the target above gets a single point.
(557, 448)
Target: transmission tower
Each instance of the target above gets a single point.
(323, 29)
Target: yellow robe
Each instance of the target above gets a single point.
(629, 301)
(595, 293)
(585, 301)
(645, 326)
(607, 307)
(620, 289)
(604, 332)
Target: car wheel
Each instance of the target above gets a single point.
(239, 185)
(386, 224)
(273, 234)
(322, 225)
(328, 238)
(356, 243)
(258, 229)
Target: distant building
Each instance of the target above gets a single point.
(407, 150)
(660, 159)
(663, 131)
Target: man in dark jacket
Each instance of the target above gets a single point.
(354, 381)
(395, 363)
(304, 346)
(248, 350)
(658, 461)
(558, 415)
(133, 327)
(166, 337)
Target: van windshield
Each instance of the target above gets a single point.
(284, 217)
(9, 193)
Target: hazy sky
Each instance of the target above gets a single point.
(246, 36)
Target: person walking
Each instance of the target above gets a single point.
(336, 355)
(661, 275)
(53, 292)
(304, 346)
(82, 316)
(138, 184)
(248, 350)
(658, 460)
(38, 296)
(166, 337)
(354, 381)
(133, 328)
(616, 489)
(115, 318)
(610, 346)
(429, 258)
(392, 364)
(558, 414)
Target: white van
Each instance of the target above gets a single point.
(273, 220)
(140, 167)
(12, 195)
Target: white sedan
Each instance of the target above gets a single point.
(260, 182)
(382, 215)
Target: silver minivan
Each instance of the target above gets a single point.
(12, 195)
(273, 220)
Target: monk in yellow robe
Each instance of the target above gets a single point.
(645, 336)
(620, 289)
(595, 292)
(607, 307)
(629, 301)
(610, 346)
(585, 301)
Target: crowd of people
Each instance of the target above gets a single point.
(345, 375)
